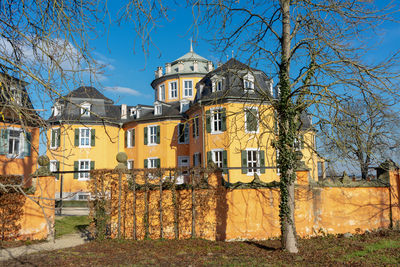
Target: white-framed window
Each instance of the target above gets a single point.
(252, 161)
(183, 161)
(161, 92)
(183, 133)
(197, 159)
(83, 196)
(54, 167)
(184, 105)
(129, 164)
(216, 120)
(187, 88)
(55, 138)
(248, 82)
(130, 138)
(173, 90)
(217, 157)
(84, 165)
(84, 137)
(56, 110)
(152, 163)
(251, 120)
(217, 85)
(15, 142)
(133, 112)
(196, 125)
(85, 110)
(158, 109)
(299, 143)
(152, 135)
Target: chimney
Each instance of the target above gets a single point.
(159, 72)
(167, 68)
(180, 66)
(195, 66)
(210, 66)
(124, 113)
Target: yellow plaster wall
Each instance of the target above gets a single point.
(24, 166)
(180, 80)
(109, 141)
(35, 221)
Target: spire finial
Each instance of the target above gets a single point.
(191, 45)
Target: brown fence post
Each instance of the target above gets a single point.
(134, 206)
(161, 208)
(175, 204)
(193, 205)
(146, 207)
(121, 167)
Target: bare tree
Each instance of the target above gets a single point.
(363, 133)
(316, 49)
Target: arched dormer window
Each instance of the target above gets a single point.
(248, 82)
(85, 109)
(217, 84)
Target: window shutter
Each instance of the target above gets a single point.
(58, 137)
(244, 161)
(251, 120)
(27, 145)
(223, 119)
(4, 142)
(53, 138)
(92, 137)
(225, 161)
(76, 169)
(261, 155)
(145, 163)
(194, 128)
(158, 134)
(76, 137)
(126, 139)
(133, 137)
(209, 158)
(208, 121)
(194, 159)
(158, 163)
(91, 165)
(200, 159)
(57, 175)
(145, 136)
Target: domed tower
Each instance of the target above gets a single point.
(178, 80)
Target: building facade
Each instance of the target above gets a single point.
(200, 116)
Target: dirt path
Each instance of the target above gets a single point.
(66, 241)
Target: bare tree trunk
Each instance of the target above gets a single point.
(287, 134)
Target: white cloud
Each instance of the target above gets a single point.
(123, 90)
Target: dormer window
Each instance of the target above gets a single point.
(216, 84)
(248, 82)
(138, 111)
(85, 109)
(184, 106)
(132, 113)
(57, 110)
(16, 96)
(158, 109)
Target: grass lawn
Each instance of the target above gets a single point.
(380, 248)
(70, 224)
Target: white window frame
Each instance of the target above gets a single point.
(53, 165)
(248, 82)
(217, 85)
(129, 164)
(85, 175)
(21, 141)
(184, 105)
(214, 112)
(217, 157)
(161, 92)
(80, 137)
(85, 109)
(173, 91)
(188, 89)
(152, 162)
(129, 143)
(55, 137)
(181, 178)
(157, 109)
(133, 112)
(251, 171)
(57, 110)
(248, 109)
(186, 133)
(150, 136)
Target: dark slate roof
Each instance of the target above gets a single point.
(169, 111)
(88, 92)
(232, 73)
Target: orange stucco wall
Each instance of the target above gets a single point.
(254, 213)
(21, 166)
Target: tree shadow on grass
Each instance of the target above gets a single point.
(261, 246)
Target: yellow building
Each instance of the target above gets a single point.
(200, 115)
